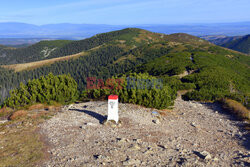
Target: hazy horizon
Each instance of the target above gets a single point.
(80, 31)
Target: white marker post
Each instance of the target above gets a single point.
(113, 108)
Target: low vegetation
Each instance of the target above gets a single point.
(48, 89)
(141, 89)
(18, 114)
(20, 144)
(236, 108)
(21, 147)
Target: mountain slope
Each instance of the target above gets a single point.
(127, 39)
(242, 44)
(220, 39)
(39, 51)
(214, 72)
(58, 48)
(37, 64)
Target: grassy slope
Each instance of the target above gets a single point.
(37, 64)
(21, 144)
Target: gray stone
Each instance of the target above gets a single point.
(156, 121)
(135, 147)
(193, 124)
(131, 162)
(121, 140)
(206, 155)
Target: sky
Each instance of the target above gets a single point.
(124, 12)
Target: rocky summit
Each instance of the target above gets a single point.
(193, 134)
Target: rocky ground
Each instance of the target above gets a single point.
(193, 134)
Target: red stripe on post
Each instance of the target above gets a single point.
(113, 97)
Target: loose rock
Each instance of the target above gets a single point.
(143, 138)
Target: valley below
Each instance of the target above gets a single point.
(192, 134)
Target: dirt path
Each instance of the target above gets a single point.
(194, 134)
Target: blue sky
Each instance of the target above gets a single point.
(125, 12)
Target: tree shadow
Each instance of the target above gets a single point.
(95, 115)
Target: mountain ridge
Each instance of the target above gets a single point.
(219, 39)
(58, 48)
(237, 43)
(240, 44)
(214, 72)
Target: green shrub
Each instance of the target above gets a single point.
(170, 64)
(61, 88)
(145, 90)
(175, 83)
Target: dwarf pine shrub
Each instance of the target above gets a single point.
(48, 89)
(141, 89)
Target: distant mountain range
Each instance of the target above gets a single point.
(72, 31)
(80, 31)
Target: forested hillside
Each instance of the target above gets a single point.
(39, 51)
(52, 49)
(212, 72)
(58, 48)
(242, 44)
